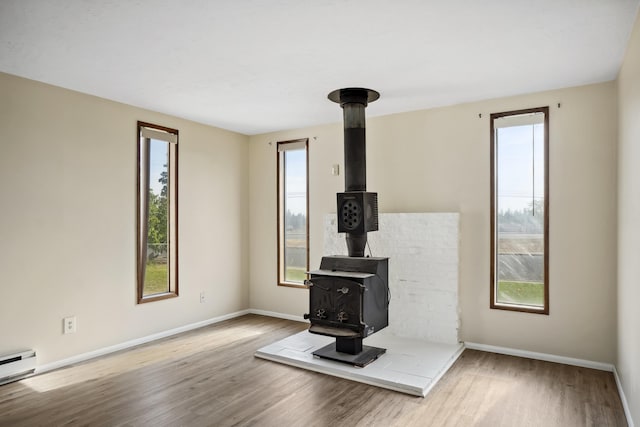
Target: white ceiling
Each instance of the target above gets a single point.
(256, 66)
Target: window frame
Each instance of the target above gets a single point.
(493, 203)
(142, 229)
(280, 170)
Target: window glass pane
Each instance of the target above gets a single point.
(157, 263)
(157, 267)
(519, 223)
(295, 215)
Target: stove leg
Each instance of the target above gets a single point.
(349, 345)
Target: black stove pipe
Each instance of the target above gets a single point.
(353, 102)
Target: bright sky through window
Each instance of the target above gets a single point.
(158, 158)
(521, 159)
(296, 181)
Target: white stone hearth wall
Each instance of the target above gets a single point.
(423, 271)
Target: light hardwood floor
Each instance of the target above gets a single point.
(209, 377)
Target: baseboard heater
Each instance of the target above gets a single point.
(16, 366)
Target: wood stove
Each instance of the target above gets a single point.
(348, 300)
(349, 295)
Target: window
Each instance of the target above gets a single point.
(520, 210)
(157, 222)
(293, 208)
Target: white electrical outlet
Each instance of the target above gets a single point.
(201, 297)
(69, 325)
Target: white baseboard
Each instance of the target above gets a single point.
(560, 359)
(278, 315)
(470, 345)
(623, 398)
(132, 343)
(541, 356)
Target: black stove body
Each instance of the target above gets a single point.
(349, 295)
(348, 299)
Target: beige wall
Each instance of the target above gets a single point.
(629, 225)
(67, 180)
(67, 185)
(438, 161)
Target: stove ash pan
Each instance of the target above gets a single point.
(349, 297)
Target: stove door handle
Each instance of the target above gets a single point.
(309, 284)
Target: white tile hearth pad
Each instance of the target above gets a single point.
(409, 365)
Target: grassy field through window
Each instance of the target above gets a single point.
(524, 293)
(295, 274)
(156, 279)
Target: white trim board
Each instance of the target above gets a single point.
(540, 356)
(470, 345)
(560, 359)
(278, 315)
(132, 343)
(623, 398)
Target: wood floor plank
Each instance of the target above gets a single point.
(209, 377)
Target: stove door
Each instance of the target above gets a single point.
(335, 302)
